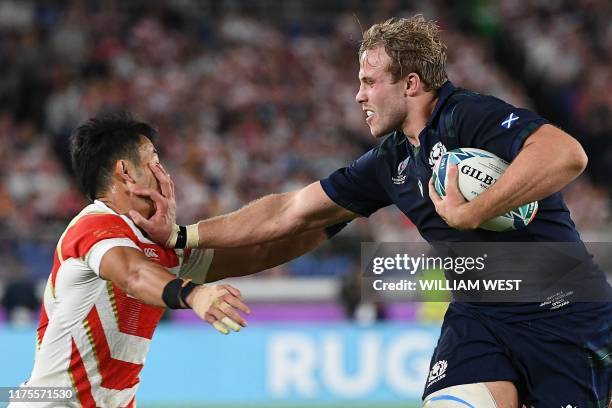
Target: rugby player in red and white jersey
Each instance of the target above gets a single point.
(109, 284)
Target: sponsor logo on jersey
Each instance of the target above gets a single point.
(401, 178)
(438, 372)
(150, 253)
(436, 152)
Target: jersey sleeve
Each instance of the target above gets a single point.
(100, 248)
(490, 124)
(92, 236)
(196, 264)
(356, 187)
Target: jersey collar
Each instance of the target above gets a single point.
(104, 206)
(447, 89)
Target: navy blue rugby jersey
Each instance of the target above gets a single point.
(395, 172)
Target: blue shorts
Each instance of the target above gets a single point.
(560, 360)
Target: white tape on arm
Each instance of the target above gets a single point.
(171, 242)
(461, 396)
(193, 236)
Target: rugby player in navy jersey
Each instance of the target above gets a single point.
(490, 355)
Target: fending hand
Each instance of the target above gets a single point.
(160, 225)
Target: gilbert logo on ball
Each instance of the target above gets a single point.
(479, 170)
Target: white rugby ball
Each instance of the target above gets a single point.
(479, 170)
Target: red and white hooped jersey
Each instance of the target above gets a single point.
(92, 336)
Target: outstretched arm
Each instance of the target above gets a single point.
(234, 262)
(273, 217)
(146, 280)
(548, 161)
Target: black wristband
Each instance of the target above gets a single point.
(171, 294)
(181, 238)
(334, 229)
(186, 290)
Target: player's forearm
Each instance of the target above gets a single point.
(542, 168)
(276, 253)
(270, 218)
(147, 282)
(266, 219)
(151, 283)
(138, 276)
(234, 262)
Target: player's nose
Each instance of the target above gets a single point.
(361, 96)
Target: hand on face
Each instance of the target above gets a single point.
(144, 205)
(159, 226)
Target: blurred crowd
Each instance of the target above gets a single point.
(566, 60)
(257, 97)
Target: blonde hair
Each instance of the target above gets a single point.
(413, 44)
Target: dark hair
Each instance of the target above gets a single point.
(97, 144)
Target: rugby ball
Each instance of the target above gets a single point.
(479, 170)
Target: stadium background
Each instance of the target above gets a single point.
(253, 97)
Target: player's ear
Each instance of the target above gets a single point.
(123, 170)
(413, 83)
